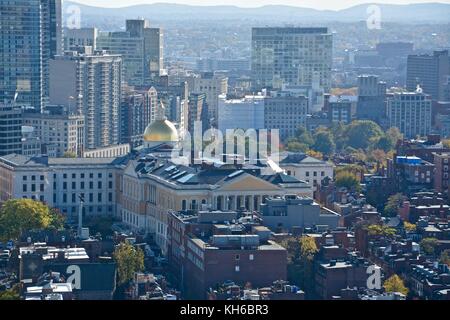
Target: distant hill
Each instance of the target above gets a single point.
(413, 13)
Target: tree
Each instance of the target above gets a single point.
(19, 215)
(324, 142)
(379, 156)
(11, 294)
(445, 257)
(69, 154)
(379, 230)
(393, 204)
(409, 227)
(348, 180)
(395, 284)
(385, 144)
(429, 245)
(362, 134)
(295, 146)
(315, 154)
(446, 143)
(304, 136)
(354, 169)
(301, 253)
(394, 135)
(129, 261)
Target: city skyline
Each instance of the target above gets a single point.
(322, 5)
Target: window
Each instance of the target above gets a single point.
(65, 198)
(99, 197)
(54, 198)
(74, 176)
(24, 178)
(110, 197)
(99, 175)
(238, 257)
(65, 175)
(41, 188)
(251, 257)
(24, 188)
(184, 205)
(74, 185)
(110, 184)
(64, 185)
(82, 185)
(91, 185)
(82, 176)
(91, 197)
(33, 178)
(74, 198)
(237, 269)
(42, 178)
(33, 187)
(307, 173)
(91, 175)
(99, 184)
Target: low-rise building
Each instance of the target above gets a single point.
(214, 247)
(286, 213)
(306, 168)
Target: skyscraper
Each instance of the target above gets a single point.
(30, 33)
(212, 85)
(371, 98)
(430, 72)
(10, 129)
(291, 56)
(141, 48)
(90, 84)
(138, 109)
(410, 112)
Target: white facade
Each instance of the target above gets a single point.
(308, 169)
(60, 182)
(246, 113)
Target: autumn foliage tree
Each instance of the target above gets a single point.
(395, 284)
(129, 261)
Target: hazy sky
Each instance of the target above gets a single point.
(318, 4)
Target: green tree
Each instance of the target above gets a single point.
(446, 143)
(393, 204)
(304, 136)
(395, 284)
(429, 245)
(348, 180)
(11, 294)
(362, 134)
(295, 146)
(301, 253)
(394, 135)
(385, 144)
(129, 261)
(69, 154)
(324, 142)
(20, 215)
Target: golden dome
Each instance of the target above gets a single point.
(161, 131)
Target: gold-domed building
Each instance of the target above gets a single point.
(161, 131)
